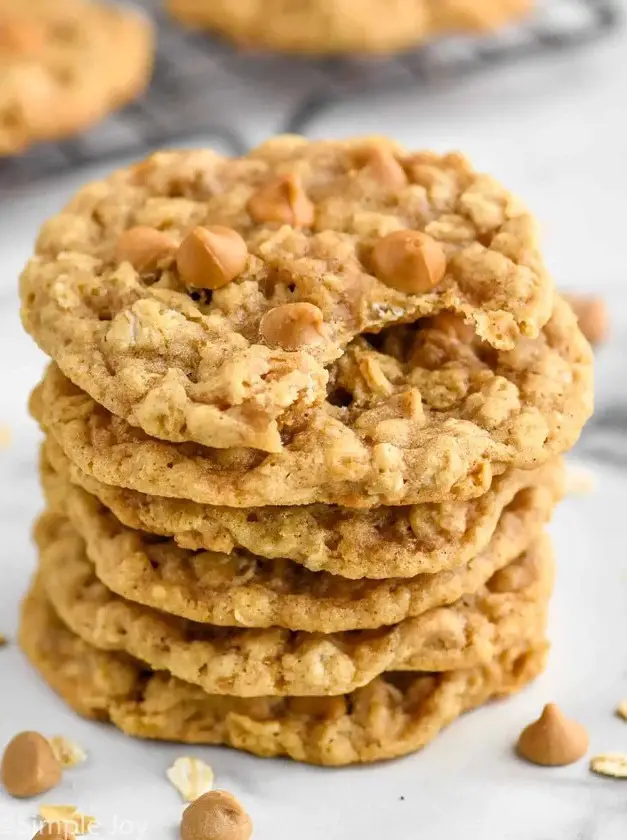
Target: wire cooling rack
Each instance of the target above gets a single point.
(198, 80)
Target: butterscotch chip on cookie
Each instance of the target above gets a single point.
(342, 26)
(485, 621)
(64, 64)
(244, 590)
(423, 416)
(377, 543)
(391, 716)
(240, 326)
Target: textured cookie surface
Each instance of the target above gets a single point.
(390, 717)
(337, 26)
(241, 589)
(64, 64)
(470, 412)
(509, 610)
(375, 543)
(212, 299)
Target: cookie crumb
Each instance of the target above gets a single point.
(553, 740)
(66, 818)
(216, 816)
(191, 777)
(610, 764)
(29, 766)
(68, 752)
(580, 481)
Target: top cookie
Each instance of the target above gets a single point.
(204, 298)
(336, 26)
(64, 64)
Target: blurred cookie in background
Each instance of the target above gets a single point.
(65, 64)
(342, 26)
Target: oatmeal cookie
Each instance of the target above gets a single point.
(249, 663)
(243, 590)
(64, 64)
(325, 27)
(392, 716)
(375, 543)
(212, 300)
(457, 414)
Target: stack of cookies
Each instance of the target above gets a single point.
(303, 432)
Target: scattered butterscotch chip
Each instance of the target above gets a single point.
(29, 766)
(292, 325)
(210, 257)
(3, 640)
(553, 740)
(381, 164)
(610, 764)
(592, 315)
(69, 753)
(621, 711)
(409, 261)
(66, 818)
(216, 816)
(284, 201)
(144, 247)
(191, 777)
(579, 480)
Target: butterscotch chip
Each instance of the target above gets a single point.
(553, 740)
(592, 315)
(409, 261)
(292, 325)
(385, 168)
(144, 247)
(29, 766)
(3, 640)
(210, 257)
(284, 201)
(622, 709)
(217, 815)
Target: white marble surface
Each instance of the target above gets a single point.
(557, 133)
